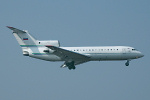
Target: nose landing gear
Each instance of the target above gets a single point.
(127, 63)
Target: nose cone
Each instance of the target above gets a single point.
(140, 55)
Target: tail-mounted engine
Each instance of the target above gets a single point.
(50, 42)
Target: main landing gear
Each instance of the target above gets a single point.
(71, 65)
(127, 63)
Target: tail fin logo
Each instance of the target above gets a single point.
(25, 38)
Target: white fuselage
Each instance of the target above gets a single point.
(95, 53)
(50, 50)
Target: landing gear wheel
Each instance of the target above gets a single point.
(70, 65)
(74, 67)
(69, 68)
(127, 63)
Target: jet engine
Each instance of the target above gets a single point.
(50, 42)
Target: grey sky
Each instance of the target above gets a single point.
(75, 23)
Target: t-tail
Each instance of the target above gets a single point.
(24, 39)
(29, 44)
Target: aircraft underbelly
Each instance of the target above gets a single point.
(105, 56)
(129, 56)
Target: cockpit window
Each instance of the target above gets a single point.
(134, 49)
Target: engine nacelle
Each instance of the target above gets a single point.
(50, 42)
(25, 53)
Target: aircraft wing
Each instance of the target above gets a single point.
(69, 55)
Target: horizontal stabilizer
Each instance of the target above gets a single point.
(15, 30)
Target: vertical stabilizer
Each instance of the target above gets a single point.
(24, 39)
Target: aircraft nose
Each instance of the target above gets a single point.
(141, 55)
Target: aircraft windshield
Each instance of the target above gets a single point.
(134, 50)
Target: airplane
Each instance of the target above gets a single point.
(50, 50)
